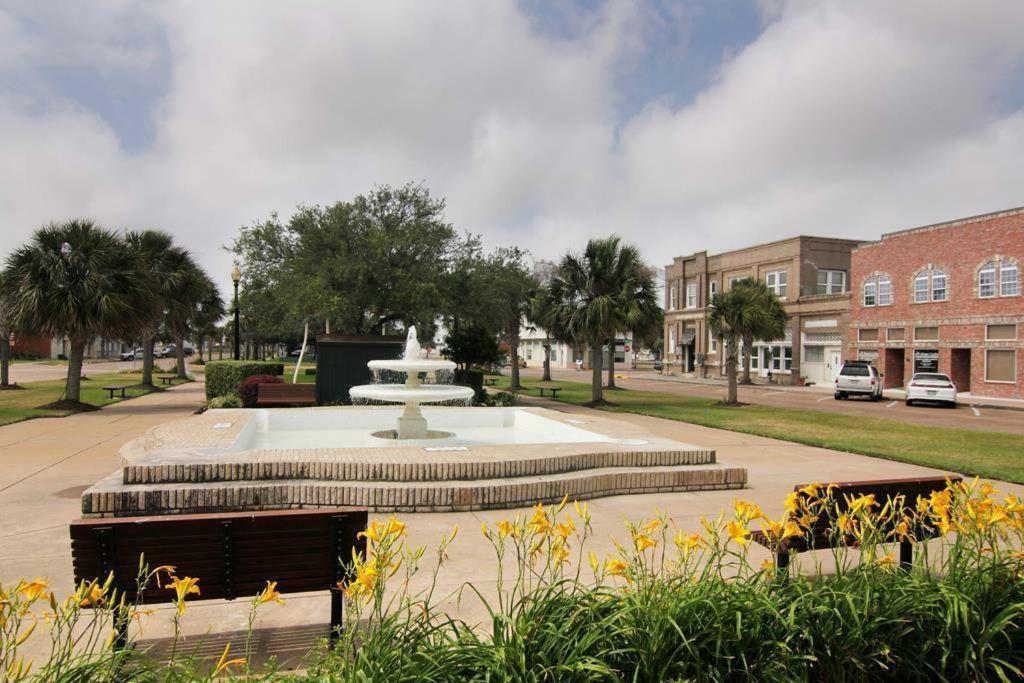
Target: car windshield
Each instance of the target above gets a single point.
(931, 377)
(856, 370)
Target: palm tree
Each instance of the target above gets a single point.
(76, 280)
(162, 259)
(5, 348)
(193, 303)
(512, 289)
(769, 325)
(596, 293)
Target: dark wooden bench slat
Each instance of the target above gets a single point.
(285, 394)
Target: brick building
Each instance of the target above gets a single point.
(810, 275)
(944, 297)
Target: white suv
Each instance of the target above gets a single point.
(859, 377)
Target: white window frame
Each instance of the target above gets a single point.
(712, 289)
(733, 280)
(712, 344)
(778, 282)
(1016, 331)
(921, 287)
(869, 296)
(672, 296)
(1003, 267)
(989, 269)
(936, 274)
(691, 295)
(1000, 381)
(830, 281)
(672, 339)
(887, 281)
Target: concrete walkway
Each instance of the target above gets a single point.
(46, 463)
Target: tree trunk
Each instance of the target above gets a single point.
(611, 364)
(748, 344)
(147, 361)
(5, 360)
(596, 390)
(513, 350)
(732, 398)
(220, 352)
(179, 352)
(547, 362)
(73, 389)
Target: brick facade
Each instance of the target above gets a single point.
(952, 265)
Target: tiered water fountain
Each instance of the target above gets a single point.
(411, 423)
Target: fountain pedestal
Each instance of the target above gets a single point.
(411, 423)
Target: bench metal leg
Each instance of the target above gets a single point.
(782, 559)
(337, 612)
(906, 555)
(121, 623)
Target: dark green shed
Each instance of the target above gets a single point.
(341, 362)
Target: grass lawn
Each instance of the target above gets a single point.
(989, 454)
(23, 404)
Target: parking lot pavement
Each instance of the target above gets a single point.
(819, 399)
(38, 372)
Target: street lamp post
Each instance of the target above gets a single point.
(236, 275)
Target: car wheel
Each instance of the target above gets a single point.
(951, 404)
(908, 403)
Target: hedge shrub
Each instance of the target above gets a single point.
(223, 376)
(249, 388)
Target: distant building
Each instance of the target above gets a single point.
(811, 275)
(947, 298)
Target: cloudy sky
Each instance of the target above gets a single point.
(679, 125)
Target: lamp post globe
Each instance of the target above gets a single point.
(236, 275)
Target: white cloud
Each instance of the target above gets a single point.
(841, 118)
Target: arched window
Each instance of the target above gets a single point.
(1009, 279)
(930, 285)
(987, 280)
(877, 290)
(884, 290)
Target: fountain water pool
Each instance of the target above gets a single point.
(411, 424)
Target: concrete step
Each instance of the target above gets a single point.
(398, 466)
(111, 497)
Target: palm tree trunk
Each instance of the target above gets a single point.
(732, 397)
(596, 390)
(5, 360)
(748, 344)
(513, 350)
(547, 362)
(611, 364)
(147, 361)
(73, 388)
(179, 351)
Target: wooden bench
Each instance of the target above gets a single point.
(822, 533)
(285, 395)
(167, 379)
(490, 381)
(233, 554)
(111, 390)
(548, 387)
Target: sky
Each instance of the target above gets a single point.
(681, 126)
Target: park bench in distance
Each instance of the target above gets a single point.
(823, 535)
(233, 554)
(285, 395)
(553, 388)
(111, 390)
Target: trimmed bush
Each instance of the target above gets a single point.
(227, 401)
(249, 388)
(223, 376)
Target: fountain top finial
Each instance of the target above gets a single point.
(412, 345)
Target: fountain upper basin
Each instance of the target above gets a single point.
(414, 365)
(404, 393)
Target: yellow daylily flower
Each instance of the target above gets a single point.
(738, 532)
(183, 587)
(269, 594)
(34, 589)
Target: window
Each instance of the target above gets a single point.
(776, 281)
(1009, 284)
(871, 292)
(896, 334)
(831, 281)
(713, 344)
(878, 291)
(867, 334)
(733, 280)
(672, 339)
(1001, 332)
(921, 287)
(926, 333)
(712, 290)
(691, 295)
(884, 290)
(987, 280)
(814, 354)
(755, 357)
(930, 285)
(554, 354)
(672, 297)
(1000, 365)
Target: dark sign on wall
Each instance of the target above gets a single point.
(926, 360)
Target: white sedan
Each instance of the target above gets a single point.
(931, 386)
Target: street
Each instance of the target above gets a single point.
(963, 417)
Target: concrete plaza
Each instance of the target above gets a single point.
(45, 464)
